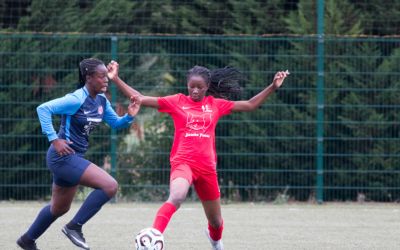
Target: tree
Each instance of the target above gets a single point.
(352, 69)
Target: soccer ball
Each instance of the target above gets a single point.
(149, 239)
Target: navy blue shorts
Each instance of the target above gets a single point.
(67, 170)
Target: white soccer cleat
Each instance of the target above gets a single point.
(215, 244)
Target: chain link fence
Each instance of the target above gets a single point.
(270, 154)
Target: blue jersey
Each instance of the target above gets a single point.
(80, 114)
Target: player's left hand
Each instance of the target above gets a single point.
(134, 105)
(113, 68)
(279, 78)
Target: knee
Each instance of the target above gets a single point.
(177, 198)
(58, 211)
(111, 188)
(216, 222)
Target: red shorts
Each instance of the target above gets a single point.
(204, 179)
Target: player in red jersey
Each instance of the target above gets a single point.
(193, 156)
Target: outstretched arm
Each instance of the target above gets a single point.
(127, 90)
(257, 100)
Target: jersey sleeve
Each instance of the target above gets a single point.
(168, 104)
(67, 105)
(224, 106)
(114, 120)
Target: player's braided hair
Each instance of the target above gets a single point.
(87, 67)
(222, 82)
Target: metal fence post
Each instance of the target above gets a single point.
(113, 92)
(320, 100)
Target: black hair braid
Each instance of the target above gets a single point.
(87, 67)
(81, 82)
(224, 83)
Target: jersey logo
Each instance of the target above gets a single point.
(100, 110)
(90, 126)
(206, 109)
(198, 122)
(94, 119)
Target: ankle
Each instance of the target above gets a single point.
(74, 226)
(25, 238)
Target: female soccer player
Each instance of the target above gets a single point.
(193, 155)
(81, 111)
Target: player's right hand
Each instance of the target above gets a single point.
(62, 147)
(279, 78)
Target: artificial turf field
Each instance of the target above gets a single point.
(247, 226)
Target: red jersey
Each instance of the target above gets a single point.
(194, 122)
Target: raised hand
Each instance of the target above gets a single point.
(113, 68)
(134, 105)
(279, 78)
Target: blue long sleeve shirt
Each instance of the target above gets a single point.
(80, 114)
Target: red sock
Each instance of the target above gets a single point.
(216, 233)
(163, 216)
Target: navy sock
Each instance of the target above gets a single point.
(72, 225)
(91, 206)
(41, 223)
(25, 238)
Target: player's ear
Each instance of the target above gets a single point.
(88, 77)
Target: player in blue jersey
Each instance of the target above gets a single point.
(81, 111)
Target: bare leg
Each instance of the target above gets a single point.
(212, 210)
(105, 187)
(61, 199)
(215, 223)
(179, 188)
(97, 178)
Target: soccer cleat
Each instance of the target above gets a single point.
(76, 237)
(216, 244)
(27, 244)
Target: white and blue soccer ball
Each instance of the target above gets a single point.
(149, 239)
